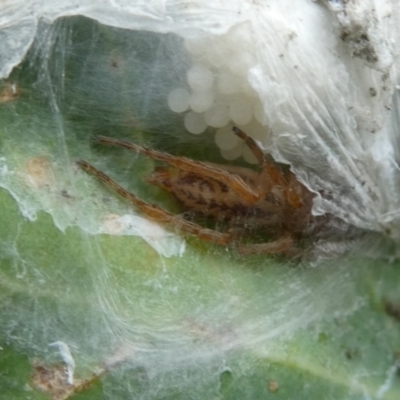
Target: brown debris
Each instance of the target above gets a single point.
(54, 381)
(392, 308)
(9, 93)
(273, 386)
(40, 172)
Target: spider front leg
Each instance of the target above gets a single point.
(156, 213)
(271, 175)
(283, 245)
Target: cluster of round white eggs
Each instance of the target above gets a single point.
(218, 94)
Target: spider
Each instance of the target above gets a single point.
(271, 200)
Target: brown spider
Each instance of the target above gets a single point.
(271, 200)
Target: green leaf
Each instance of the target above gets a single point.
(207, 325)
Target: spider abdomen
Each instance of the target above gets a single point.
(215, 199)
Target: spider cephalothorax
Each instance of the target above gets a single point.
(272, 199)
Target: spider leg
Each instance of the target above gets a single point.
(252, 145)
(235, 182)
(267, 163)
(156, 213)
(271, 174)
(285, 244)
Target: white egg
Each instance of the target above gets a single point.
(218, 115)
(234, 153)
(226, 139)
(201, 101)
(200, 78)
(258, 111)
(178, 100)
(240, 110)
(195, 123)
(227, 83)
(249, 156)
